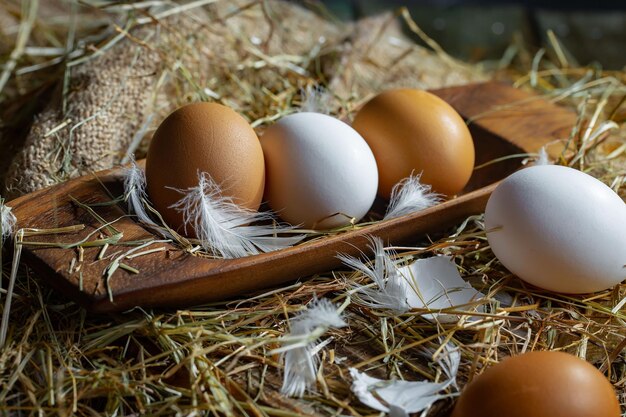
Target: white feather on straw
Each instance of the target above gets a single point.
(409, 196)
(542, 157)
(225, 228)
(448, 360)
(398, 397)
(316, 99)
(6, 311)
(391, 288)
(301, 346)
(8, 221)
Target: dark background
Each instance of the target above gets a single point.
(594, 32)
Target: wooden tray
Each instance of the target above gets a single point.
(512, 122)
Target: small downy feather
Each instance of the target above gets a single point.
(391, 287)
(409, 196)
(542, 157)
(225, 228)
(399, 398)
(135, 192)
(316, 99)
(301, 347)
(8, 221)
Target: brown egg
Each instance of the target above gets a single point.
(413, 131)
(205, 137)
(539, 384)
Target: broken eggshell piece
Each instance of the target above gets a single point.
(435, 283)
(432, 283)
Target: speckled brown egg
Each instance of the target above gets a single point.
(413, 131)
(206, 137)
(539, 384)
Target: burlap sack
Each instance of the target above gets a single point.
(120, 94)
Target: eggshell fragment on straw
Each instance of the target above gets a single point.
(435, 283)
(432, 283)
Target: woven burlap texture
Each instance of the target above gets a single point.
(125, 89)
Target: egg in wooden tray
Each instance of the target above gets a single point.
(207, 171)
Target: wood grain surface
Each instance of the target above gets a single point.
(507, 121)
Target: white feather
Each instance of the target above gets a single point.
(8, 221)
(391, 287)
(409, 196)
(135, 192)
(299, 373)
(399, 398)
(448, 360)
(542, 157)
(225, 228)
(316, 99)
(301, 347)
(137, 199)
(17, 253)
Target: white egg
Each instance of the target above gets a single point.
(320, 172)
(559, 229)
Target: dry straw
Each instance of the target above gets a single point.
(224, 358)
